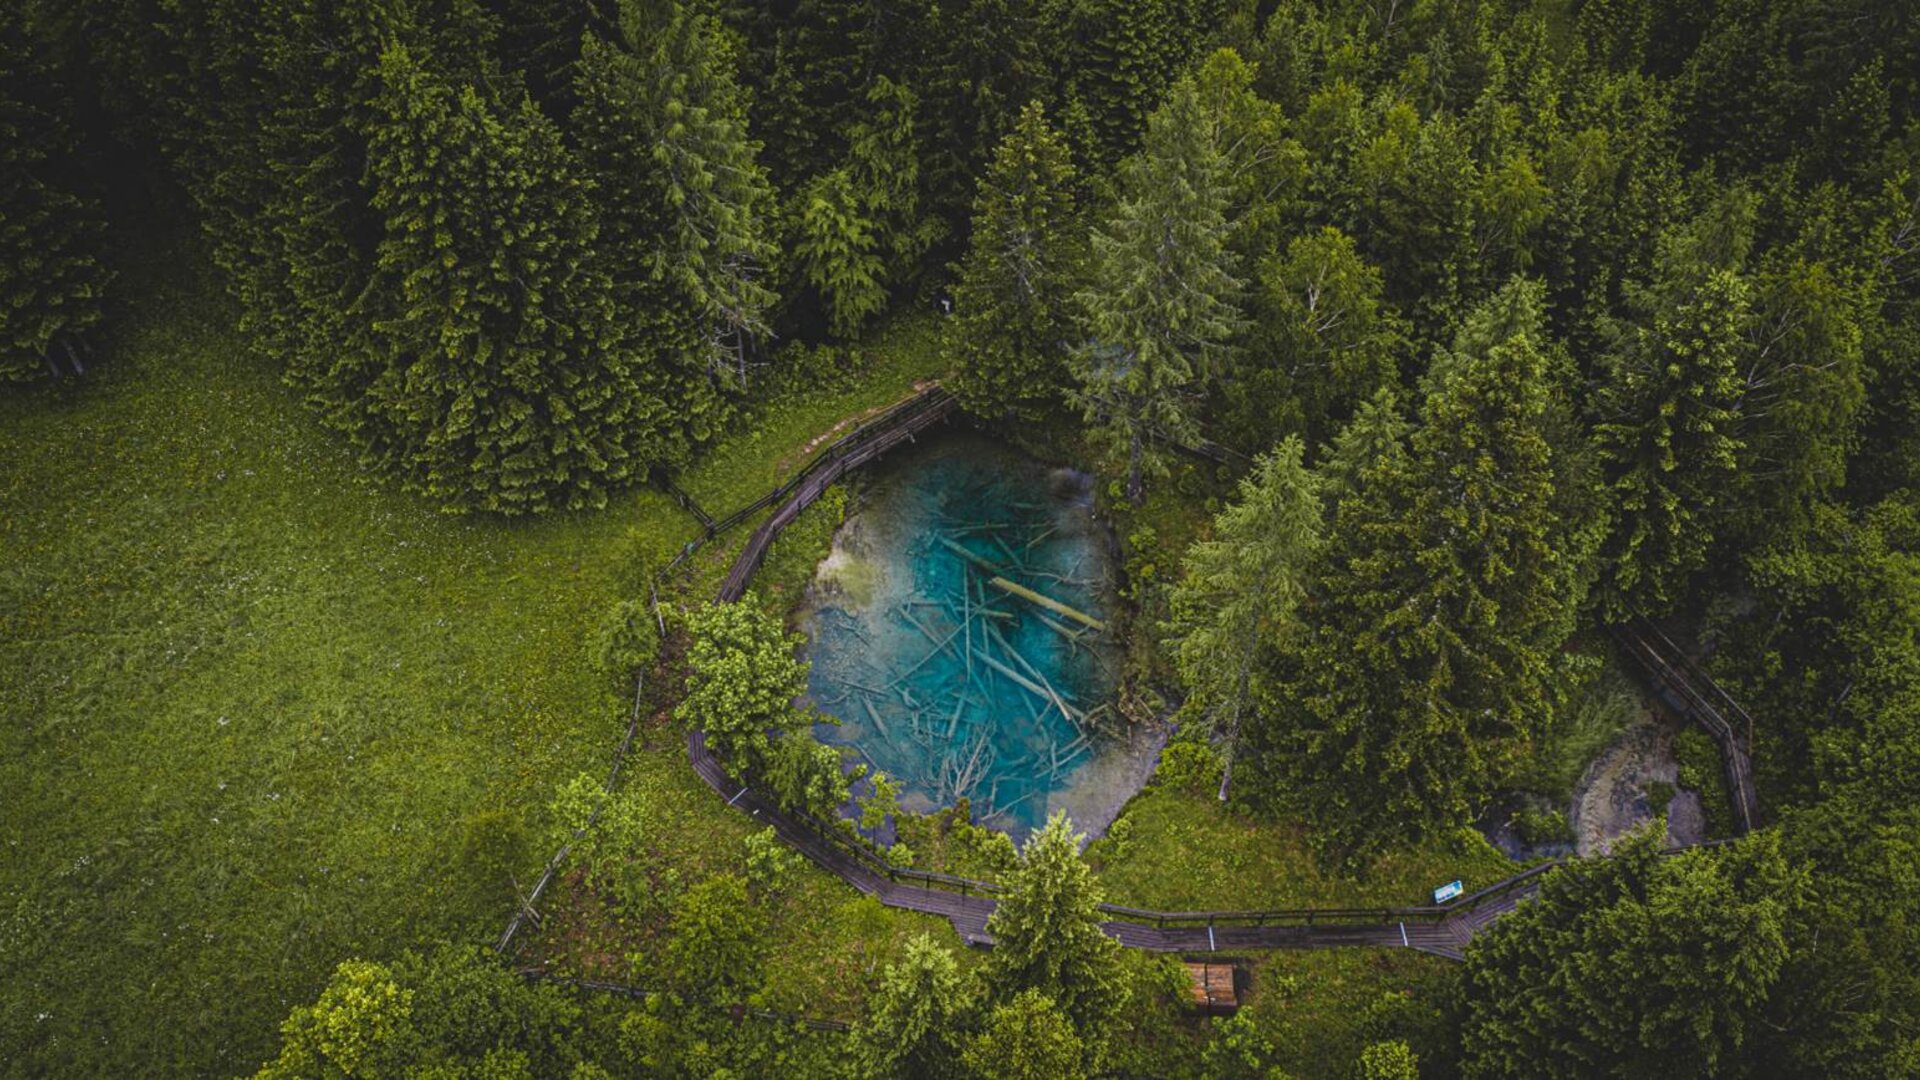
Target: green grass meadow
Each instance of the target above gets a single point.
(261, 712)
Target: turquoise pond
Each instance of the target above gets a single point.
(948, 633)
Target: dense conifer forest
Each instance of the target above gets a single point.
(366, 364)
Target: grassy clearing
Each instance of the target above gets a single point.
(1314, 1012)
(1183, 850)
(264, 712)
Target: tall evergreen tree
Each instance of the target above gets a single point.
(1376, 437)
(1691, 946)
(1669, 410)
(1427, 673)
(505, 382)
(1119, 58)
(51, 279)
(883, 163)
(1047, 936)
(915, 1019)
(1011, 329)
(686, 206)
(1237, 604)
(838, 253)
(1160, 310)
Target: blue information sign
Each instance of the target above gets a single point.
(1447, 892)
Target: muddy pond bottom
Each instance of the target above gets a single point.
(958, 633)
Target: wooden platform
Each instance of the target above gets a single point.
(1214, 986)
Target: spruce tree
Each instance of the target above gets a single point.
(916, 1018)
(1237, 605)
(51, 280)
(686, 207)
(883, 164)
(1670, 408)
(1119, 59)
(1690, 947)
(1427, 673)
(505, 381)
(1160, 308)
(838, 253)
(1009, 337)
(1047, 937)
(1375, 437)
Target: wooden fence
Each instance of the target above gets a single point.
(1435, 928)
(1693, 695)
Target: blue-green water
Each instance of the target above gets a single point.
(940, 677)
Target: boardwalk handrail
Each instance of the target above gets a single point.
(1676, 674)
(919, 889)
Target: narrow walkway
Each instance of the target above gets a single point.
(1442, 931)
(1693, 696)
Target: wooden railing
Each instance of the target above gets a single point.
(1689, 690)
(1693, 695)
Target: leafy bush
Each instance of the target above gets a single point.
(987, 847)
(1700, 771)
(741, 683)
(1188, 764)
(770, 862)
(627, 640)
(1660, 796)
(616, 847)
(1534, 825)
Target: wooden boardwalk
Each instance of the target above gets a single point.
(1442, 931)
(898, 425)
(1693, 696)
(966, 903)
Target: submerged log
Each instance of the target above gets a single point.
(1059, 702)
(877, 722)
(1045, 601)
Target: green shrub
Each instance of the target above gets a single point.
(984, 847)
(1660, 796)
(627, 640)
(1700, 772)
(1188, 764)
(1537, 826)
(771, 864)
